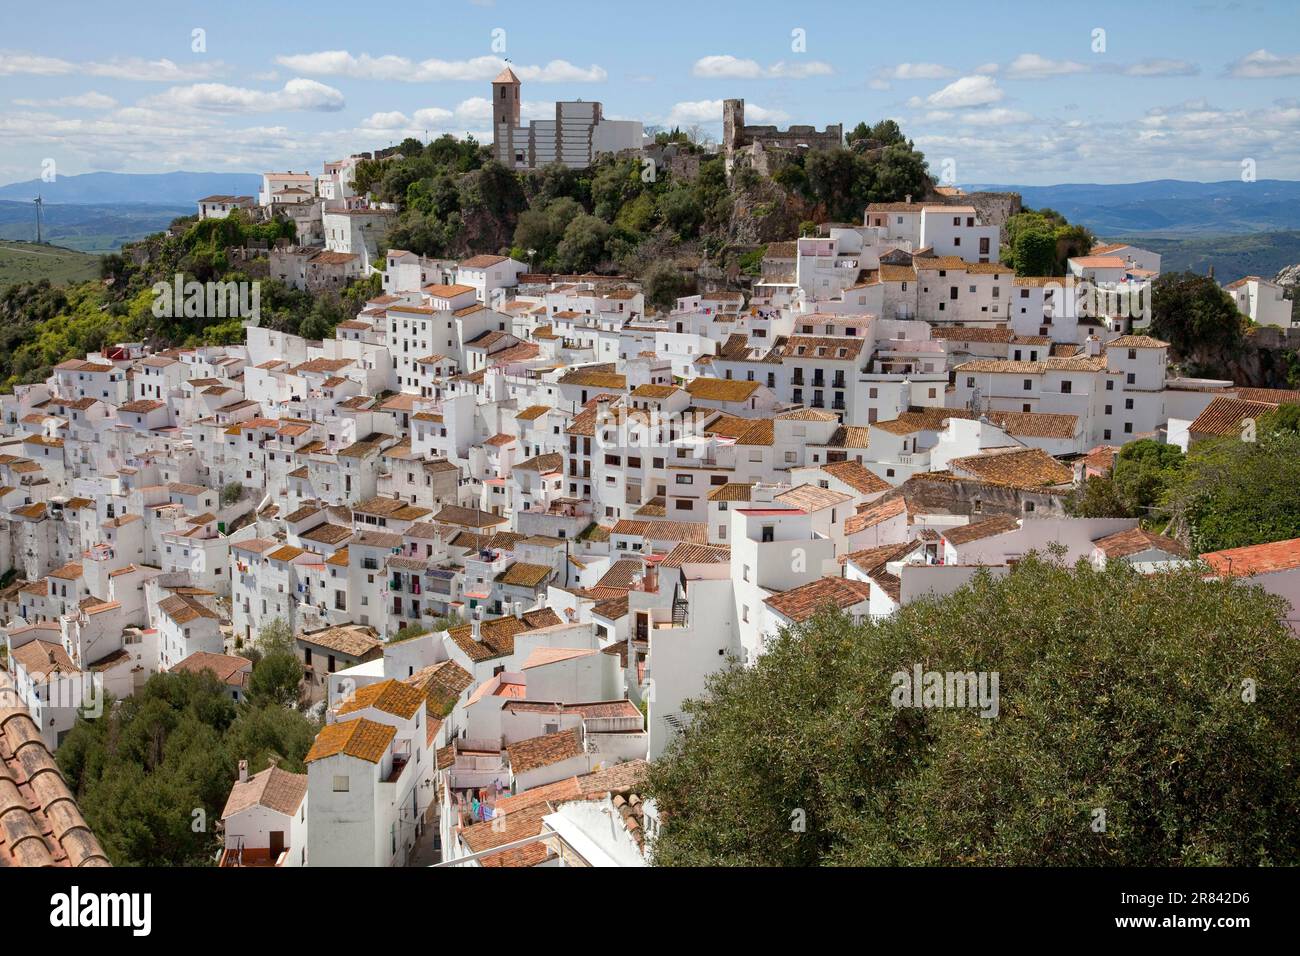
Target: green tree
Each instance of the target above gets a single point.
(583, 245)
(1034, 252)
(153, 773)
(276, 636)
(276, 679)
(1232, 492)
(1118, 692)
(1197, 318)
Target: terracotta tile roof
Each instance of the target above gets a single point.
(536, 752)
(521, 574)
(1077, 363)
(686, 553)
(1136, 342)
(227, 669)
(978, 530)
(1136, 540)
(1277, 396)
(40, 822)
(720, 389)
(510, 828)
(482, 262)
(653, 391)
(1102, 457)
(621, 573)
(890, 506)
(468, 517)
(360, 738)
(595, 378)
(810, 498)
(732, 491)
(532, 412)
(1224, 415)
(545, 464)
(1255, 558)
(273, 788)
(442, 685)
(327, 533)
(498, 634)
(182, 609)
(803, 602)
(389, 696)
(41, 658)
(1022, 468)
(761, 431)
(352, 640)
(541, 656)
(861, 479)
(446, 291)
(694, 532)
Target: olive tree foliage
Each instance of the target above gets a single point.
(1142, 720)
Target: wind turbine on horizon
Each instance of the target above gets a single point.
(40, 204)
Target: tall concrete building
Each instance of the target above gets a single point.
(574, 138)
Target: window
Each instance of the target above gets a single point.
(970, 381)
(685, 479)
(1128, 404)
(1029, 384)
(341, 783)
(1067, 387)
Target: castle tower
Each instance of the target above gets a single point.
(733, 123)
(505, 116)
(733, 130)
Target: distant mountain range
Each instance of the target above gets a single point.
(165, 189)
(1169, 207)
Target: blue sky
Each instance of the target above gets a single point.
(1026, 93)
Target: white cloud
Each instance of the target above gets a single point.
(297, 94)
(996, 116)
(726, 66)
(88, 101)
(987, 69)
(1264, 65)
(399, 68)
(967, 91)
(1032, 66)
(710, 111)
(119, 68)
(918, 71)
(16, 62)
(394, 119)
(1162, 67)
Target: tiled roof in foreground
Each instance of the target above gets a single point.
(40, 822)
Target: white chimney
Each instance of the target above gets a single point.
(474, 624)
(1093, 344)
(243, 771)
(519, 610)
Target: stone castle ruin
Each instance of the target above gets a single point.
(765, 148)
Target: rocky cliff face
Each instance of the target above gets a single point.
(1289, 277)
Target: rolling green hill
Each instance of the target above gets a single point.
(28, 262)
